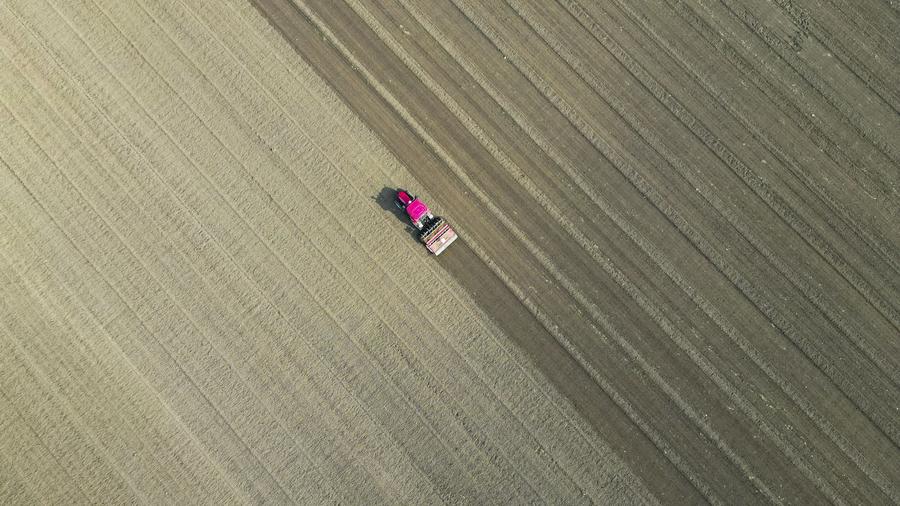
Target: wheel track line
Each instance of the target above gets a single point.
(821, 308)
(434, 325)
(638, 180)
(822, 88)
(672, 159)
(849, 63)
(331, 315)
(69, 414)
(76, 386)
(554, 98)
(869, 28)
(755, 182)
(361, 404)
(532, 249)
(830, 149)
(7, 406)
(795, 103)
(305, 186)
(870, 22)
(163, 469)
(35, 373)
(199, 392)
(590, 247)
(151, 333)
(15, 488)
(522, 370)
(886, 368)
(462, 177)
(748, 71)
(837, 212)
(801, 18)
(489, 148)
(192, 438)
(752, 181)
(417, 249)
(138, 434)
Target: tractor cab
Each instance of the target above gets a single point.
(434, 232)
(415, 208)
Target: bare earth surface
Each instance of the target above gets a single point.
(678, 277)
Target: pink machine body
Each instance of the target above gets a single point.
(415, 208)
(434, 232)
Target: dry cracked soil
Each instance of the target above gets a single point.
(677, 282)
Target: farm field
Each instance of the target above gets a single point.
(677, 282)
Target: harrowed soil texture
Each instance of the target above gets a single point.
(677, 279)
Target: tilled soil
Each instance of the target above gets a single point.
(695, 203)
(677, 279)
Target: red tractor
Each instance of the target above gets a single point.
(434, 232)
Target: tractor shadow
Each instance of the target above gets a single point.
(385, 199)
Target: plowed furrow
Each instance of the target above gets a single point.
(697, 214)
(727, 149)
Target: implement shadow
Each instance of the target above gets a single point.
(385, 200)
